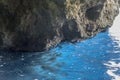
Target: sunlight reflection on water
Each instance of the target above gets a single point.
(97, 58)
(93, 59)
(114, 64)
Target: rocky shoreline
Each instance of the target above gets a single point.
(38, 25)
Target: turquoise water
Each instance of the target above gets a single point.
(97, 58)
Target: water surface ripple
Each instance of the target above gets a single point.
(97, 58)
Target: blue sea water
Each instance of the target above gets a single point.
(97, 58)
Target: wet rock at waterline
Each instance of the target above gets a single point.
(37, 25)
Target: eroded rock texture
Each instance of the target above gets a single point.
(37, 25)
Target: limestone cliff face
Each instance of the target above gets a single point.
(37, 25)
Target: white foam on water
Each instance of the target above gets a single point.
(114, 32)
(111, 73)
(112, 64)
(113, 67)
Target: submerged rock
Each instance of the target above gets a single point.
(37, 25)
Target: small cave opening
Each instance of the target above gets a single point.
(93, 13)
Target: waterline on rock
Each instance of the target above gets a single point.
(97, 58)
(114, 64)
(114, 31)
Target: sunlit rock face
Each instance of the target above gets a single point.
(37, 25)
(115, 29)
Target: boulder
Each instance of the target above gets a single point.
(38, 25)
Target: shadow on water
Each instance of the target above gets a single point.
(29, 66)
(97, 58)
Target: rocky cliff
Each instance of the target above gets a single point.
(37, 25)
